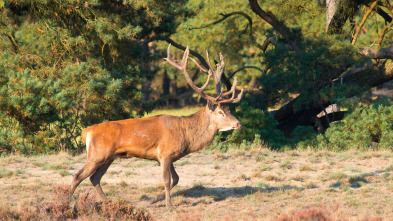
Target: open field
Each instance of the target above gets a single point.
(184, 111)
(257, 184)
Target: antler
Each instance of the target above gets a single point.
(182, 66)
(233, 92)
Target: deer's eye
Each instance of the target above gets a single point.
(222, 113)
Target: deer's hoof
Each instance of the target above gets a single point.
(153, 200)
(169, 206)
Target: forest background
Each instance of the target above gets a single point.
(316, 74)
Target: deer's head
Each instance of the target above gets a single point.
(219, 115)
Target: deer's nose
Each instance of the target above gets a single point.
(239, 125)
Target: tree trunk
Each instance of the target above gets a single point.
(146, 86)
(372, 76)
(166, 81)
(331, 7)
(345, 9)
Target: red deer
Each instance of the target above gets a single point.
(162, 138)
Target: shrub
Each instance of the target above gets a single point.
(304, 136)
(257, 123)
(369, 126)
(86, 207)
(312, 213)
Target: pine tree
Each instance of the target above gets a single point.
(68, 64)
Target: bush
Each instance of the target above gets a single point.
(256, 123)
(313, 213)
(85, 208)
(368, 126)
(304, 136)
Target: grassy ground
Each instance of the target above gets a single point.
(185, 111)
(257, 184)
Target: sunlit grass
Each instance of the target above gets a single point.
(254, 178)
(185, 111)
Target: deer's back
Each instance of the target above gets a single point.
(142, 138)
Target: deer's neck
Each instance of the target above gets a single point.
(200, 131)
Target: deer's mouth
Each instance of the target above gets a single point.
(226, 129)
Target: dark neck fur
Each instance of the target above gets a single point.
(199, 132)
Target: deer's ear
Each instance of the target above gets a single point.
(211, 106)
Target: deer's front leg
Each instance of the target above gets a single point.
(166, 172)
(175, 180)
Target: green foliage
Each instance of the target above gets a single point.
(257, 124)
(227, 37)
(369, 126)
(304, 137)
(65, 65)
(292, 73)
(287, 73)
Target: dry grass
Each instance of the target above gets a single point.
(175, 112)
(258, 184)
(85, 207)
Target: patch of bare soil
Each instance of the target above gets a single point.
(257, 184)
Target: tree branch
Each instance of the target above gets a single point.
(230, 75)
(225, 16)
(277, 25)
(384, 53)
(370, 76)
(286, 114)
(384, 31)
(384, 15)
(368, 12)
(269, 40)
(374, 75)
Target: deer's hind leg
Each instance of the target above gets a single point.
(96, 163)
(88, 169)
(96, 178)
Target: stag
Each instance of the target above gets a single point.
(162, 138)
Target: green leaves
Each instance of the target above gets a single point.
(65, 65)
(257, 122)
(369, 126)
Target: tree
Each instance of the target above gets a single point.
(363, 69)
(307, 65)
(65, 65)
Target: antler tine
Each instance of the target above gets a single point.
(233, 92)
(231, 100)
(199, 66)
(170, 61)
(232, 88)
(183, 68)
(220, 67)
(210, 65)
(218, 73)
(184, 60)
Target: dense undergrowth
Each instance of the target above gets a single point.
(365, 126)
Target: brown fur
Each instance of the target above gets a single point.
(162, 138)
